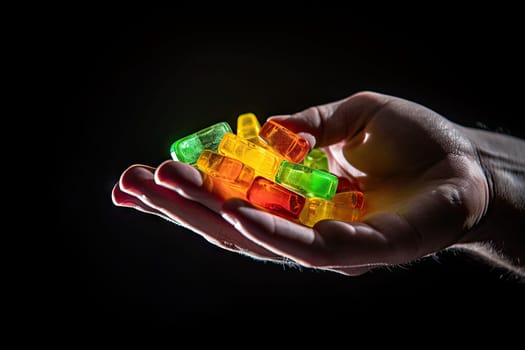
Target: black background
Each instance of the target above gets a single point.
(133, 81)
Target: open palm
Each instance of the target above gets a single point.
(423, 186)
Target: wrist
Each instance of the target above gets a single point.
(499, 232)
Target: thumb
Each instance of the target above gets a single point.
(327, 124)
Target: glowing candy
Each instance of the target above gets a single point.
(353, 199)
(248, 128)
(261, 165)
(288, 144)
(264, 162)
(307, 181)
(223, 189)
(226, 168)
(189, 148)
(308, 211)
(316, 159)
(275, 198)
(317, 209)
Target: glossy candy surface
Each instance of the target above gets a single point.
(291, 146)
(248, 127)
(307, 181)
(226, 168)
(344, 209)
(264, 162)
(262, 166)
(316, 159)
(223, 189)
(346, 185)
(189, 148)
(275, 198)
(354, 199)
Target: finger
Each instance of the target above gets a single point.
(298, 243)
(122, 199)
(187, 181)
(281, 236)
(330, 123)
(331, 244)
(138, 181)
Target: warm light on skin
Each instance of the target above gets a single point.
(428, 184)
(367, 136)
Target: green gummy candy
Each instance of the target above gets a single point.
(307, 181)
(189, 148)
(317, 159)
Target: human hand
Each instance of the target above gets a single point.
(424, 189)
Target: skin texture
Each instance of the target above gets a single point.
(428, 186)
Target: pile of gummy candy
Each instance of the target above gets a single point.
(272, 168)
